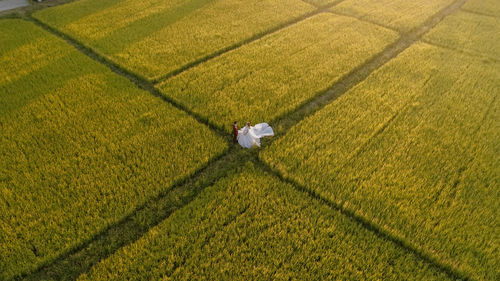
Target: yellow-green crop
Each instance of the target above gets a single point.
(272, 76)
(320, 3)
(487, 7)
(413, 148)
(402, 15)
(251, 226)
(468, 32)
(80, 147)
(156, 37)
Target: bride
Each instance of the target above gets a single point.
(250, 135)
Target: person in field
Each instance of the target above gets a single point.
(235, 132)
(250, 135)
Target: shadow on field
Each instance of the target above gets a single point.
(71, 265)
(283, 123)
(79, 260)
(366, 223)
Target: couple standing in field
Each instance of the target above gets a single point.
(250, 135)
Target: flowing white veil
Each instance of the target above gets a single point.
(250, 136)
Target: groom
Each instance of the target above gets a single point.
(235, 132)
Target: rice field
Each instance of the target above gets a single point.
(174, 33)
(270, 77)
(80, 147)
(114, 163)
(468, 32)
(487, 7)
(321, 3)
(407, 155)
(401, 15)
(252, 226)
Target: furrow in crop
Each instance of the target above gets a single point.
(79, 260)
(243, 43)
(134, 78)
(368, 224)
(285, 122)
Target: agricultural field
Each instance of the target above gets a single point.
(487, 7)
(274, 75)
(116, 161)
(401, 15)
(418, 156)
(468, 32)
(322, 3)
(143, 41)
(80, 146)
(252, 226)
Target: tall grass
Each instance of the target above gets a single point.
(414, 148)
(156, 37)
(270, 77)
(468, 32)
(251, 226)
(488, 7)
(402, 15)
(80, 147)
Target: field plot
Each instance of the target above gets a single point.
(468, 32)
(156, 37)
(251, 226)
(402, 15)
(415, 149)
(320, 3)
(270, 77)
(487, 7)
(80, 147)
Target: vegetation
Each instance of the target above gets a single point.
(175, 33)
(468, 32)
(252, 226)
(487, 7)
(81, 148)
(413, 148)
(321, 3)
(402, 15)
(268, 78)
(386, 163)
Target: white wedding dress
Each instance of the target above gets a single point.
(250, 136)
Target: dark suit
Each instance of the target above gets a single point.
(235, 133)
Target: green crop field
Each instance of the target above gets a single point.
(402, 15)
(80, 147)
(274, 75)
(251, 226)
(167, 35)
(487, 7)
(419, 155)
(117, 163)
(468, 32)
